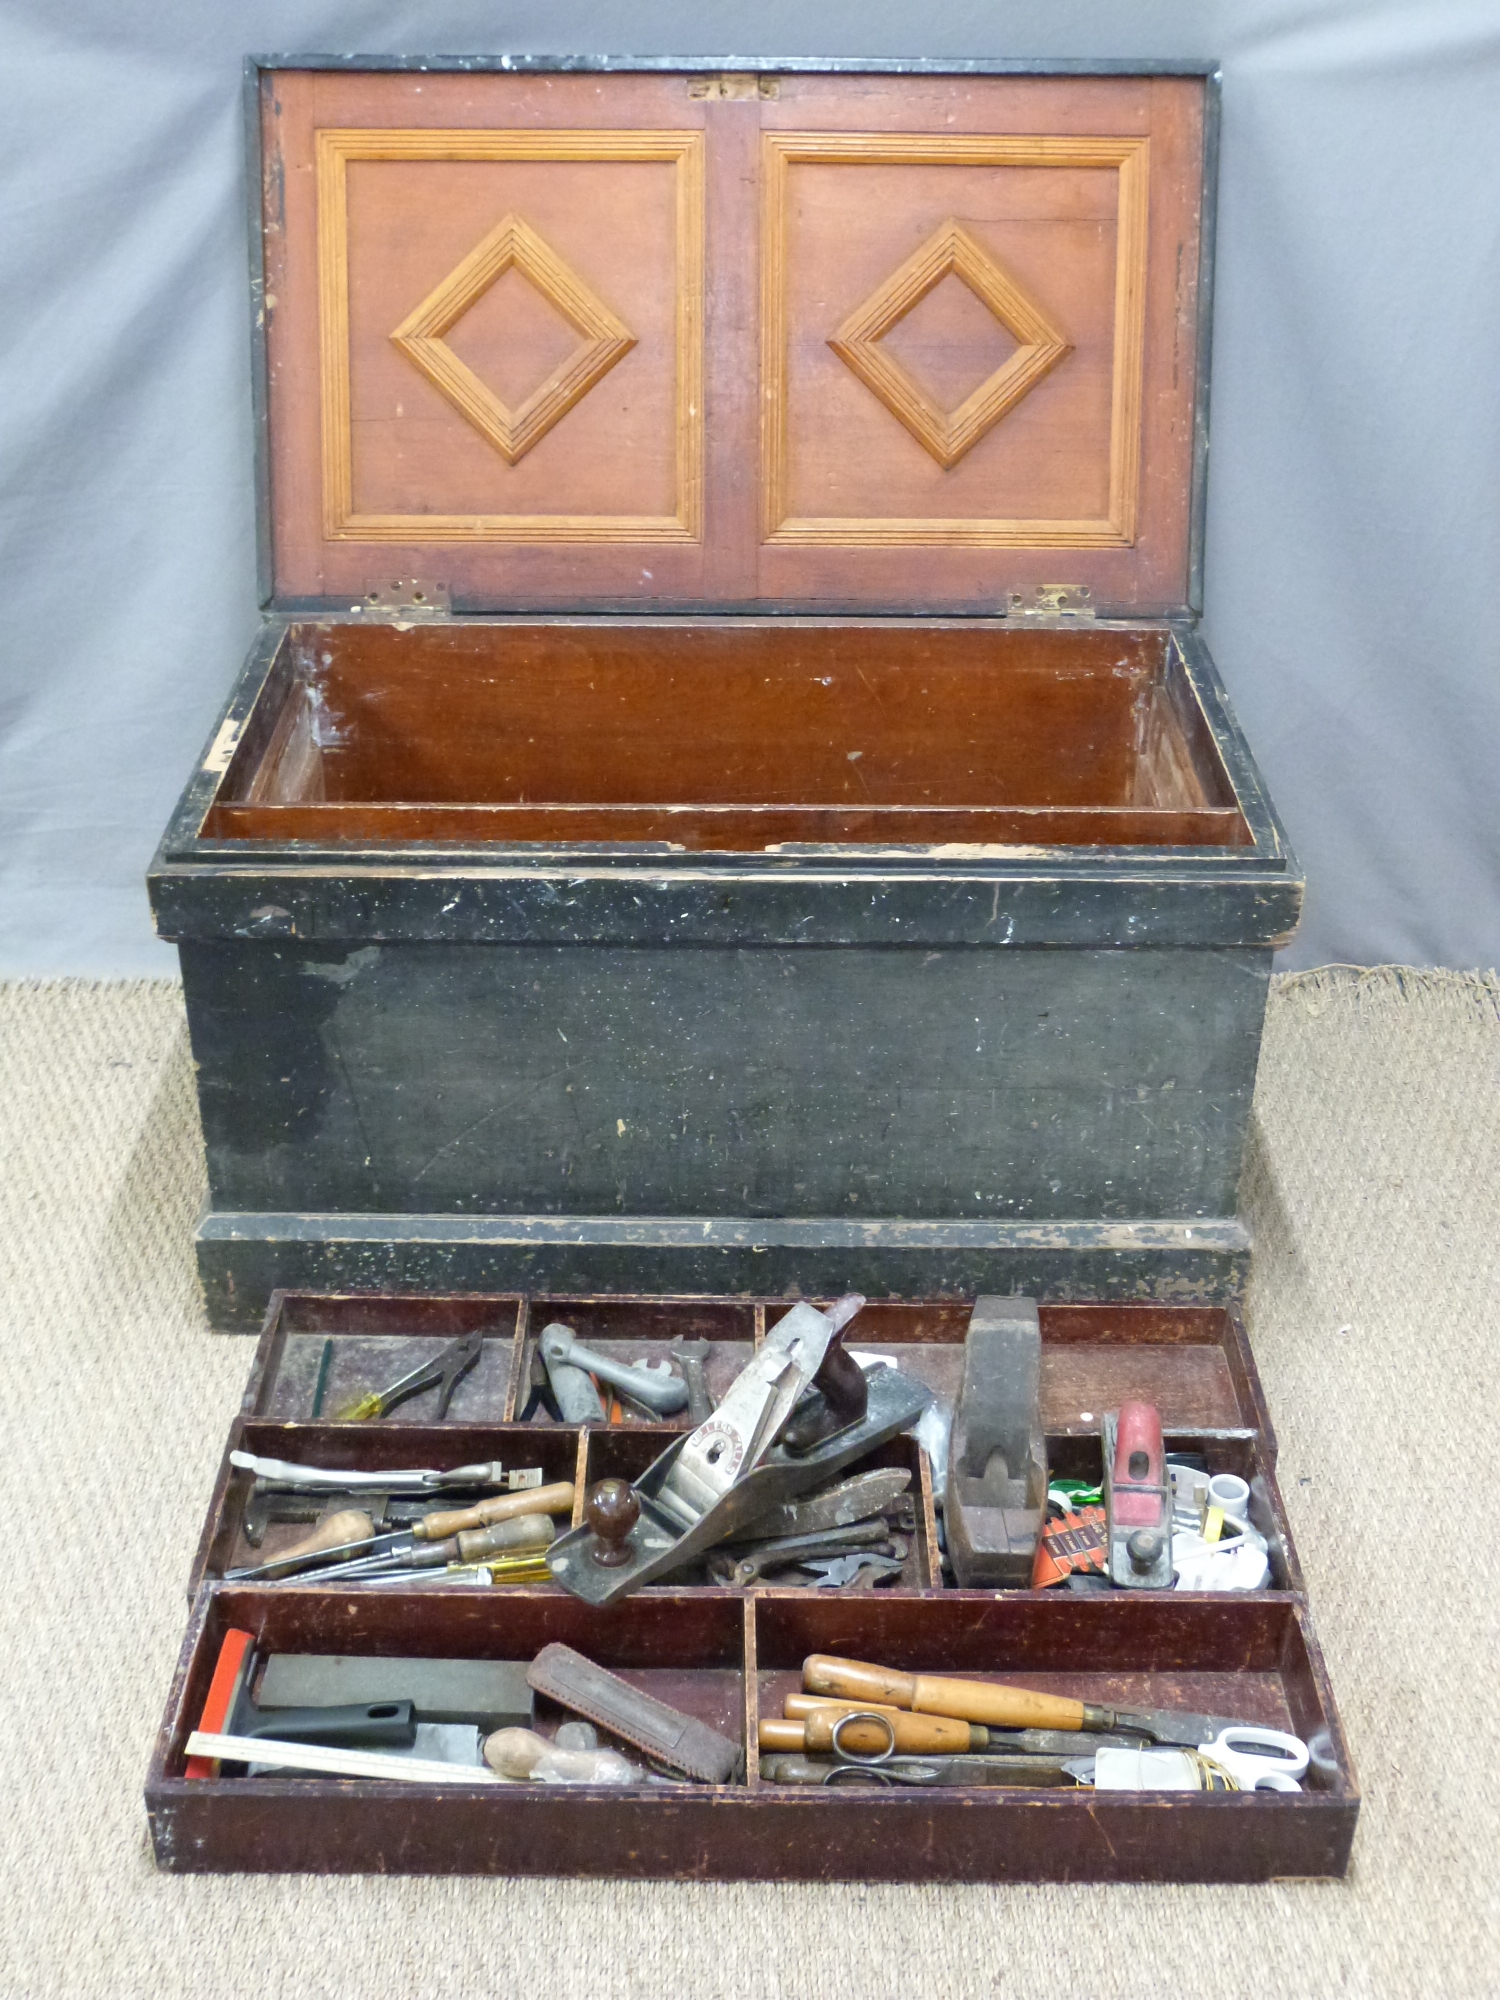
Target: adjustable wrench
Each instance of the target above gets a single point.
(741, 1567)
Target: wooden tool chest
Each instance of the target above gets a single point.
(729, 1656)
(730, 785)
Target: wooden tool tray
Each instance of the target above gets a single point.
(730, 1656)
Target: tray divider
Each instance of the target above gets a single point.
(760, 1323)
(580, 1478)
(1247, 1385)
(751, 1693)
(927, 1523)
(517, 1358)
(220, 1523)
(270, 1352)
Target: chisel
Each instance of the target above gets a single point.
(1030, 1773)
(1001, 1707)
(1021, 1742)
(797, 1707)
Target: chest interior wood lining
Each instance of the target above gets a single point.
(734, 735)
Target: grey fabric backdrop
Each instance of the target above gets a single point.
(1353, 524)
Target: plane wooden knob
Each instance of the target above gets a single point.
(612, 1510)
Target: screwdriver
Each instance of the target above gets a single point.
(335, 1533)
(556, 1499)
(512, 1569)
(527, 1531)
(356, 1531)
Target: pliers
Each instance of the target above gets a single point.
(447, 1368)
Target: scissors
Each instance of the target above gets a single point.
(1242, 1758)
(1258, 1759)
(884, 1767)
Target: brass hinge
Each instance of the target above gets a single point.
(404, 601)
(1052, 603)
(735, 84)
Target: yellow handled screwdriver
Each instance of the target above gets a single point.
(503, 1571)
(524, 1531)
(444, 1371)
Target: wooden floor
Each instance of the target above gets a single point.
(1375, 1186)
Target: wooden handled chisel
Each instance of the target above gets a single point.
(1001, 1707)
(1028, 1773)
(1019, 1742)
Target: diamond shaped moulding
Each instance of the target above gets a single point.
(512, 244)
(948, 434)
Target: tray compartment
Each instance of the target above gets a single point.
(635, 1329)
(364, 1448)
(374, 1341)
(1245, 1657)
(689, 1652)
(728, 736)
(1071, 1457)
(1191, 1361)
(618, 1453)
(1253, 1659)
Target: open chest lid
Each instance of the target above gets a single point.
(858, 337)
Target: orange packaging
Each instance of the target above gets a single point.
(1067, 1543)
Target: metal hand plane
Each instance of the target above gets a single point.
(758, 1450)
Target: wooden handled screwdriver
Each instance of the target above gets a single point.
(339, 1534)
(524, 1531)
(345, 1529)
(556, 1499)
(355, 1532)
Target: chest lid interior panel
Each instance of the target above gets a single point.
(832, 341)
